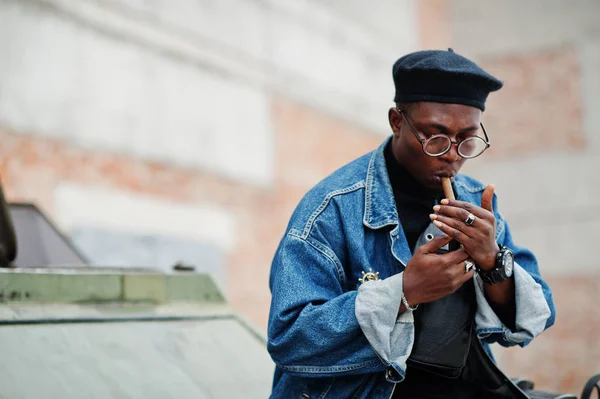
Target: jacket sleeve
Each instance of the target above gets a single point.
(535, 310)
(313, 329)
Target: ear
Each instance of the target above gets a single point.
(395, 119)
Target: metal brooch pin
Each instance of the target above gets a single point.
(369, 276)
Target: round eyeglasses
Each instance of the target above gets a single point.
(439, 144)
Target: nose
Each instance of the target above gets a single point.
(452, 154)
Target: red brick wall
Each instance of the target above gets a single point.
(539, 108)
(566, 355)
(308, 147)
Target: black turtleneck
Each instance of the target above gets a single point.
(413, 201)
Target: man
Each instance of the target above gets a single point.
(373, 300)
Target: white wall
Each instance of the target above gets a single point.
(62, 80)
(101, 207)
(188, 82)
(119, 228)
(489, 27)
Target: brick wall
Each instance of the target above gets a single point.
(309, 146)
(539, 109)
(566, 355)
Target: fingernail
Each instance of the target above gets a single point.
(437, 223)
(437, 208)
(432, 216)
(445, 201)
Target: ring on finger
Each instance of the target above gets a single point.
(470, 219)
(468, 266)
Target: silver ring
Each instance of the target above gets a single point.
(468, 266)
(470, 219)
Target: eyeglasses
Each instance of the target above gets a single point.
(439, 144)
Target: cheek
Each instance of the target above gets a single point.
(426, 164)
(411, 147)
(411, 150)
(419, 159)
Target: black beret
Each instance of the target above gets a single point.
(442, 76)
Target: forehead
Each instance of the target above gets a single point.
(450, 115)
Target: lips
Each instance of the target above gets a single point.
(437, 176)
(449, 174)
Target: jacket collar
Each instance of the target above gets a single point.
(380, 206)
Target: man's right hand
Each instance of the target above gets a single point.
(429, 276)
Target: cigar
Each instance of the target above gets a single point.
(447, 184)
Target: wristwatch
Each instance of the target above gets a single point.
(505, 263)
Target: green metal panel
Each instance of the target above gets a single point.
(64, 286)
(145, 287)
(121, 334)
(192, 287)
(85, 285)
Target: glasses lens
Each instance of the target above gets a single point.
(437, 145)
(472, 147)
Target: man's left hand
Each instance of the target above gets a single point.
(478, 238)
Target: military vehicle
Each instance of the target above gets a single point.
(71, 330)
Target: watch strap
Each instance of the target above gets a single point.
(496, 275)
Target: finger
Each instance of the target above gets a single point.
(487, 197)
(452, 232)
(460, 210)
(435, 244)
(455, 257)
(460, 225)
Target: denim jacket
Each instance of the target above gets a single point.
(331, 336)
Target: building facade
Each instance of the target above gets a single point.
(157, 131)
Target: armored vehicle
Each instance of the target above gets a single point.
(71, 330)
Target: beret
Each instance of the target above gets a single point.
(442, 76)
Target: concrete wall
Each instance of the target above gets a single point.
(490, 28)
(186, 82)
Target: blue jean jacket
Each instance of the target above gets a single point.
(331, 336)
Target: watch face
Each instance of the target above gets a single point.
(508, 262)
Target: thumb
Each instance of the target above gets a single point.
(487, 197)
(436, 243)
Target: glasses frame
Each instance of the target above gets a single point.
(452, 142)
